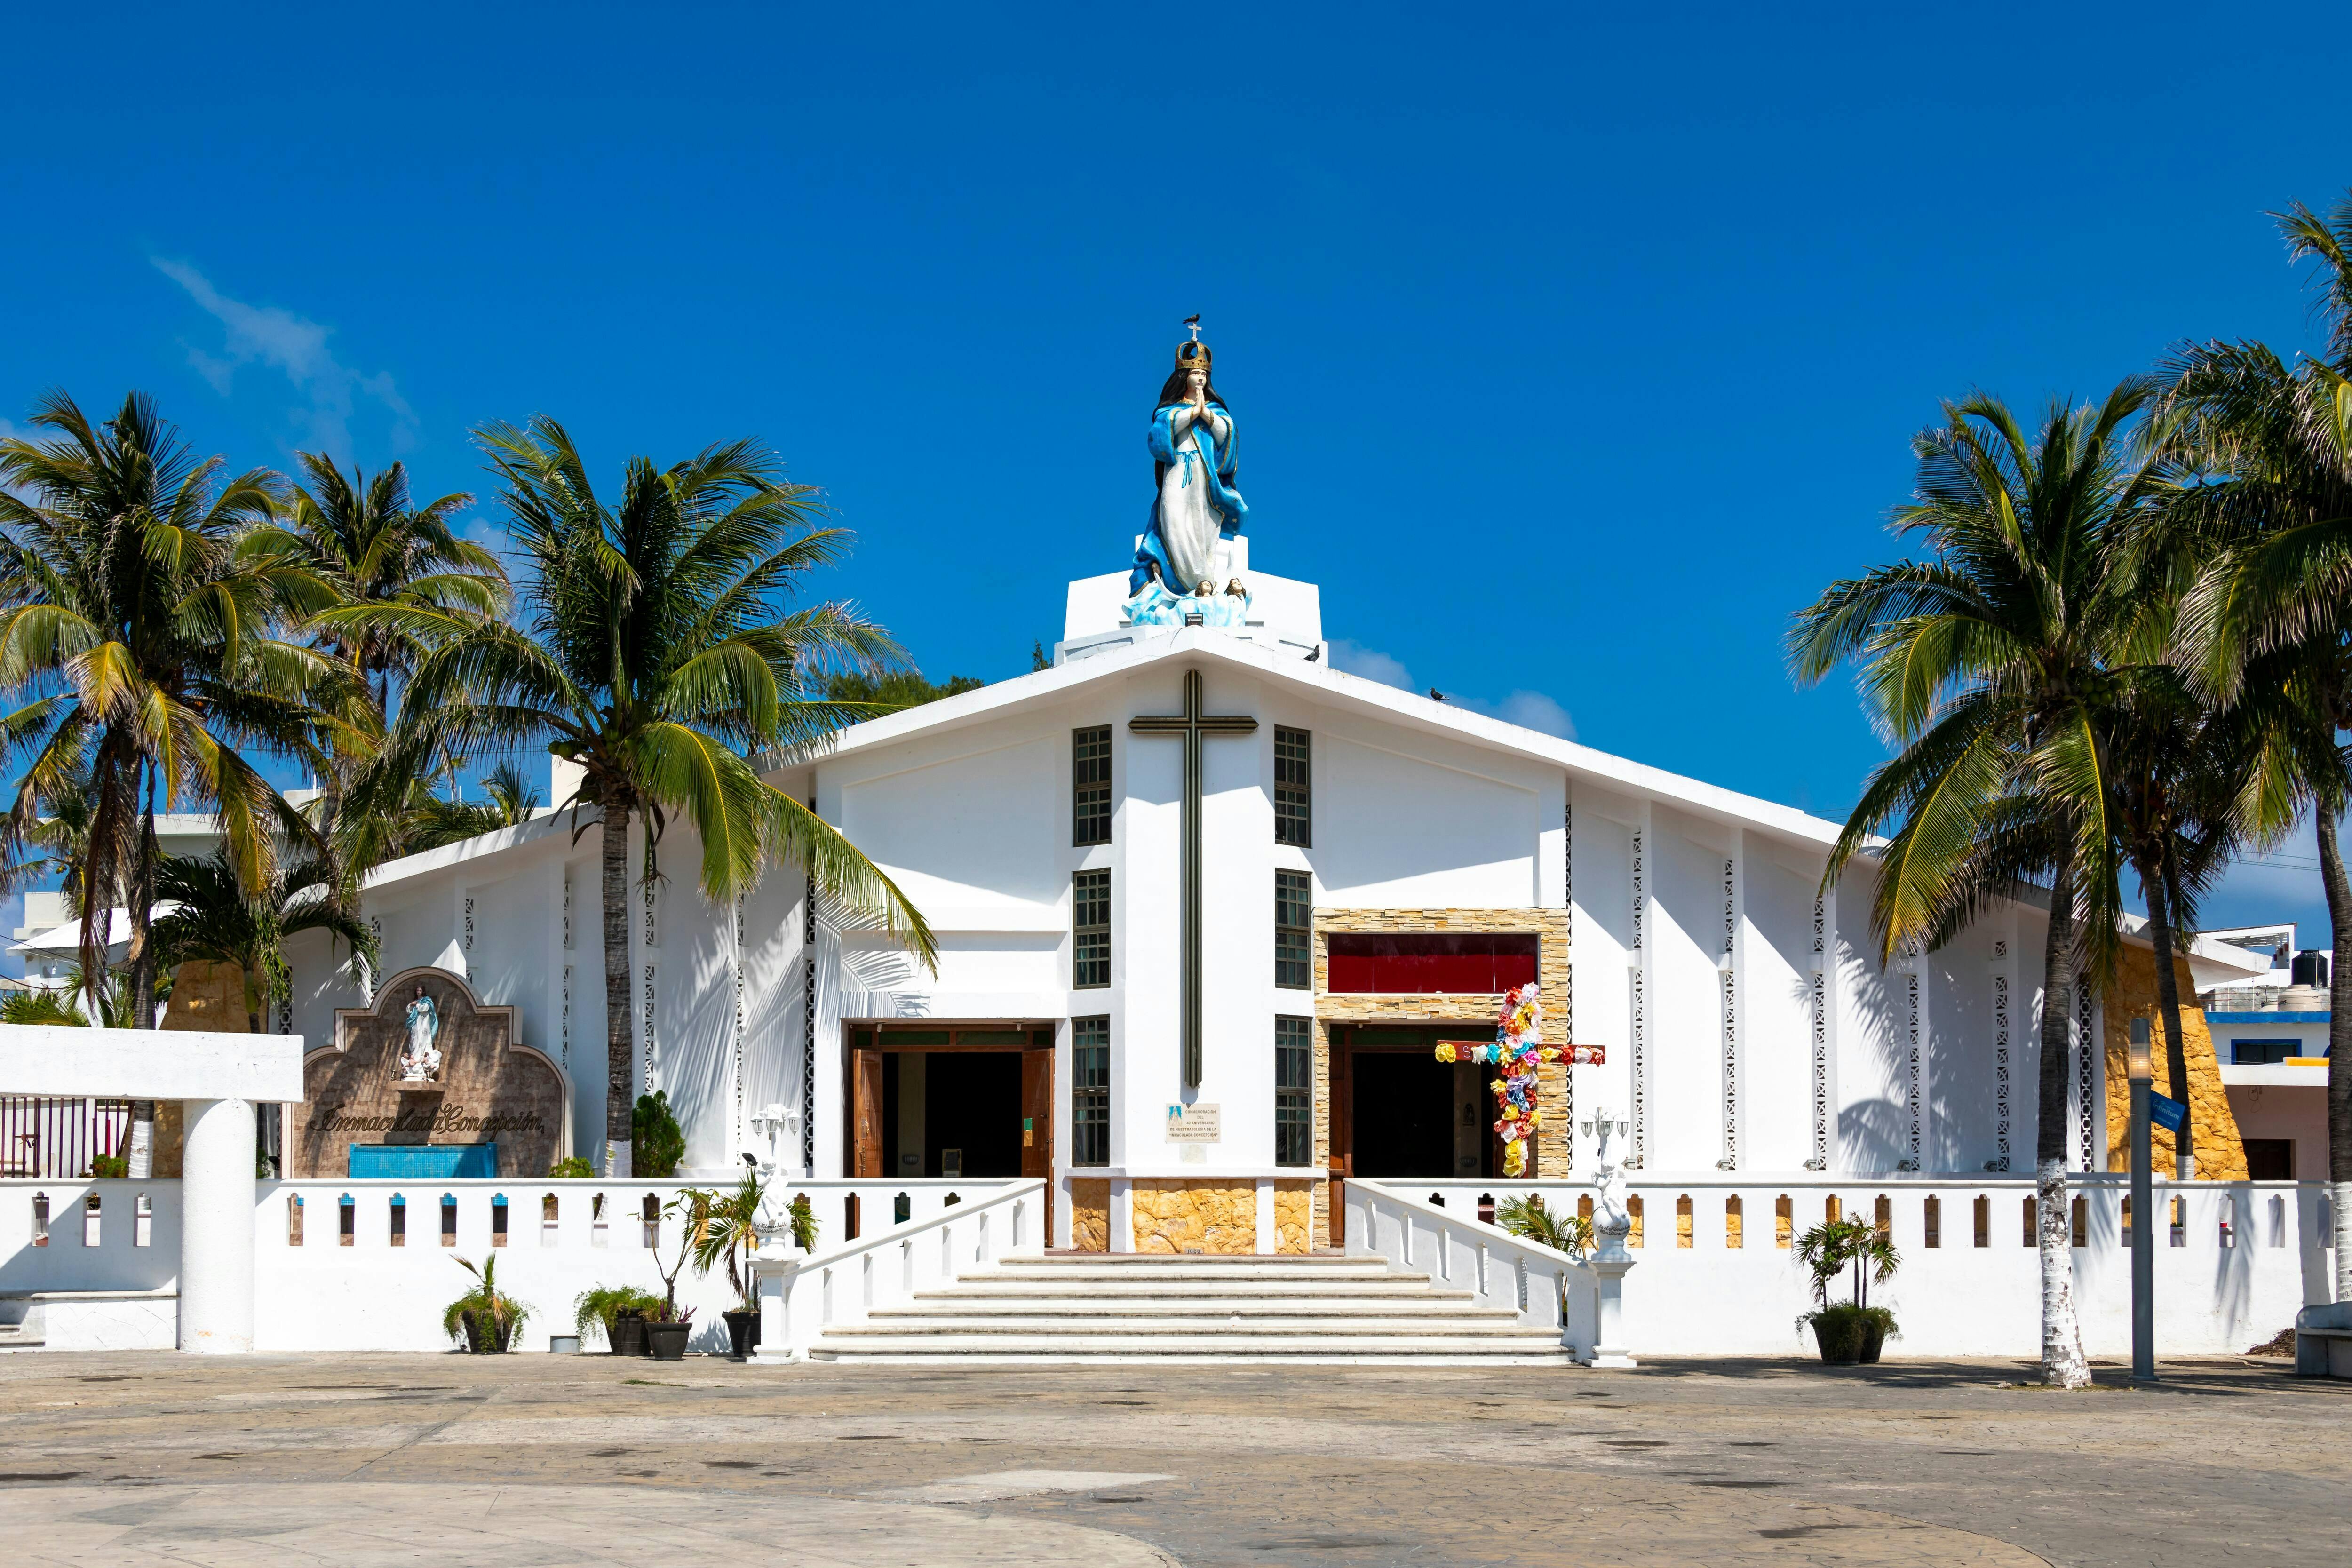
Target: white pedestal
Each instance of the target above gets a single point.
(216, 1185)
(1609, 1263)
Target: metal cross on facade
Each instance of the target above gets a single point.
(1193, 725)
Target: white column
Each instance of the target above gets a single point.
(1122, 1215)
(1735, 922)
(217, 1227)
(1824, 1030)
(2005, 1020)
(1640, 976)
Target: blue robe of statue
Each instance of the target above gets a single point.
(1197, 505)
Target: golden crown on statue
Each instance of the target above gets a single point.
(1192, 356)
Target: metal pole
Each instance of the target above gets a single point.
(2143, 1243)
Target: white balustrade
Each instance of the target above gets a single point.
(803, 1294)
(2246, 1256)
(1459, 1253)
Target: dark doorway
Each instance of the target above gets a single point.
(1403, 1106)
(971, 1106)
(2270, 1159)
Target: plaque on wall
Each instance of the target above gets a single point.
(429, 1082)
(1193, 1123)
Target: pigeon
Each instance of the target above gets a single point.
(1192, 321)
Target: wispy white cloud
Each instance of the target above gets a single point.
(297, 347)
(1529, 709)
(1355, 658)
(1534, 710)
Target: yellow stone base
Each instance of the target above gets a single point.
(2212, 1128)
(1294, 1217)
(1175, 1217)
(1090, 1215)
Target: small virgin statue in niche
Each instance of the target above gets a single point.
(420, 1054)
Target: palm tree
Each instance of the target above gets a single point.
(1989, 666)
(2269, 623)
(133, 621)
(657, 658)
(216, 919)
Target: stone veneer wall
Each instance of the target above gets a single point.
(2213, 1130)
(1294, 1217)
(1090, 1214)
(1176, 1216)
(1550, 928)
(205, 995)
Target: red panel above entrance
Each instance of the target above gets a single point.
(1469, 963)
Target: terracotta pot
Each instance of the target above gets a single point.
(628, 1334)
(666, 1341)
(742, 1332)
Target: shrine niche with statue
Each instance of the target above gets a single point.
(427, 1082)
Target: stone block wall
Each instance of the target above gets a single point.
(1294, 1217)
(2212, 1128)
(1177, 1217)
(1090, 1214)
(1552, 930)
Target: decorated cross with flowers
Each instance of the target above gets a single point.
(1518, 1051)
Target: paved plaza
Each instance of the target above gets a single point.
(367, 1459)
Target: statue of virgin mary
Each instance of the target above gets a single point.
(1192, 466)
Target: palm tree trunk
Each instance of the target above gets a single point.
(2339, 1048)
(2063, 1366)
(2168, 1003)
(619, 1103)
(141, 957)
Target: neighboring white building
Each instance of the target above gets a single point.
(1745, 1020)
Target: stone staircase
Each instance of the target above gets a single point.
(1140, 1308)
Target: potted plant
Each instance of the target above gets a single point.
(620, 1311)
(666, 1340)
(729, 1231)
(1851, 1331)
(656, 1141)
(484, 1316)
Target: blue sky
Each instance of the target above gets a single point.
(1573, 351)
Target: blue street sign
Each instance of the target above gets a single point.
(2166, 1111)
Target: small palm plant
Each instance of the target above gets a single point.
(1528, 1218)
(729, 1231)
(1830, 1249)
(484, 1317)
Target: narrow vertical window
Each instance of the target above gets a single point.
(1090, 920)
(1294, 1092)
(1090, 1091)
(1090, 785)
(1293, 913)
(1293, 814)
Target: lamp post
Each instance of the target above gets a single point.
(2142, 1070)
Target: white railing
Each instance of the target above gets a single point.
(1716, 1278)
(801, 1295)
(1547, 1288)
(331, 1275)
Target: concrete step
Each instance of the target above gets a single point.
(1532, 1349)
(1501, 1325)
(1205, 1269)
(1175, 1290)
(938, 1303)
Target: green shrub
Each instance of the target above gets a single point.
(573, 1169)
(112, 1165)
(484, 1300)
(597, 1308)
(656, 1144)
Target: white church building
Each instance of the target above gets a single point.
(1374, 868)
